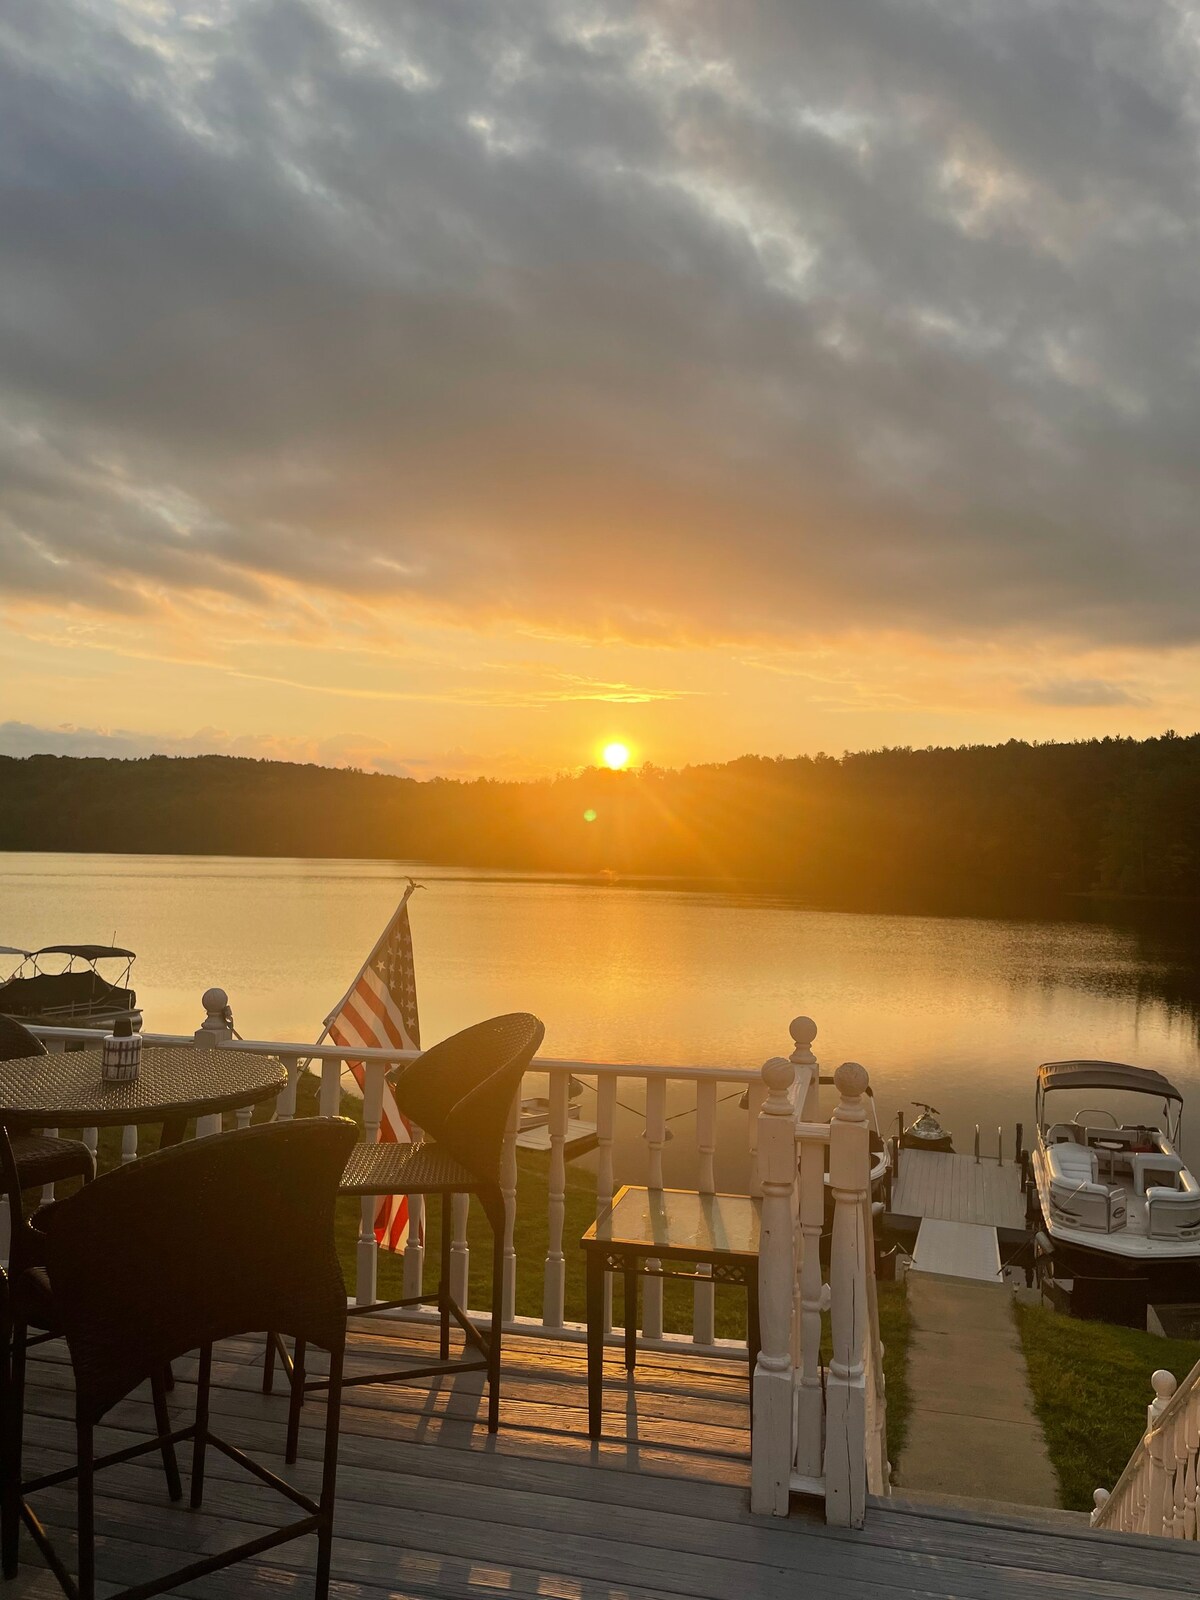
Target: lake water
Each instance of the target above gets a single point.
(954, 1010)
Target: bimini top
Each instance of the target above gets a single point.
(87, 952)
(1105, 1075)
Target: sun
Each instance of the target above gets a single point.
(616, 756)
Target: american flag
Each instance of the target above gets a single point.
(380, 1012)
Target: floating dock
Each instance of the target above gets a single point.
(958, 1207)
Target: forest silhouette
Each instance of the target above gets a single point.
(1013, 825)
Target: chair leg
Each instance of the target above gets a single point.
(333, 1415)
(444, 1278)
(268, 1383)
(162, 1421)
(200, 1442)
(493, 1375)
(85, 1454)
(10, 1456)
(296, 1401)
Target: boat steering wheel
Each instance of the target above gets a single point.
(1094, 1111)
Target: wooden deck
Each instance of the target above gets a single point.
(429, 1506)
(953, 1188)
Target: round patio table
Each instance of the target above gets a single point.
(174, 1083)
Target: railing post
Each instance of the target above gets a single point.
(811, 1142)
(846, 1412)
(285, 1102)
(771, 1438)
(704, 1308)
(508, 1191)
(216, 1029)
(656, 1137)
(606, 1115)
(367, 1252)
(554, 1291)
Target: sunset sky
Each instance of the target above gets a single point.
(453, 387)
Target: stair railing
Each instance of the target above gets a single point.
(1156, 1493)
(817, 1430)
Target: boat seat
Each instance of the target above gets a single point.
(1077, 1200)
(1174, 1213)
(1072, 1162)
(1156, 1171)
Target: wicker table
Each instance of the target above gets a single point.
(640, 1225)
(174, 1084)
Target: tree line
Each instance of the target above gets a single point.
(1010, 824)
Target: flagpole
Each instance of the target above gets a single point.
(412, 884)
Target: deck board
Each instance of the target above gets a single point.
(952, 1188)
(430, 1507)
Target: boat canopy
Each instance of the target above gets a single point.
(87, 952)
(1105, 1075)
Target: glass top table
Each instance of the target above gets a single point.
(677, 1224)
(640, 1226)
(174, 1083)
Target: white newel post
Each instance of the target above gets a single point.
(771, 1442)
(1159, 1498)
(216, 1029)
(812, 1136)
(845, 1405)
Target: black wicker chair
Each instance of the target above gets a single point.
(204, 1241)
(40, 1158)
(459, 1093)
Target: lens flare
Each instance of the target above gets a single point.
(616, 756)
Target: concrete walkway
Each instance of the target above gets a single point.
(973, 1430)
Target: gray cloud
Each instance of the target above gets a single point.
(683, 317)
(1083, 692)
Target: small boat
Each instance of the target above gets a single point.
(533, 1124)
(1116, 1198)
(926, 1132)
(77, 995)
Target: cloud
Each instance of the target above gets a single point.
(670, 321)
(1083, 692)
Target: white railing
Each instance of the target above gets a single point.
(655, 1081)
(1156, 1493)
(817, 1431)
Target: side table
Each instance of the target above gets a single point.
(716, 1230)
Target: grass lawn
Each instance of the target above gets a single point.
(1091, 1387)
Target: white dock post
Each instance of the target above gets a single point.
(808, 1295)
(771, 1442)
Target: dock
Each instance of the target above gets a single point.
(958, 1206)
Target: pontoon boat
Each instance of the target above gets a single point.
(77, 995)
(1116, 1199)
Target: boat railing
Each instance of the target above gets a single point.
(694, 1092)
(817, 1431)
(1156, 1493)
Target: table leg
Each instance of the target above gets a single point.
(595, 1341)
(631, 1312)
(173, 1130)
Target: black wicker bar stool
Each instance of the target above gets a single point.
(41, 1158)
(460, 1094)
(157, 1259)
